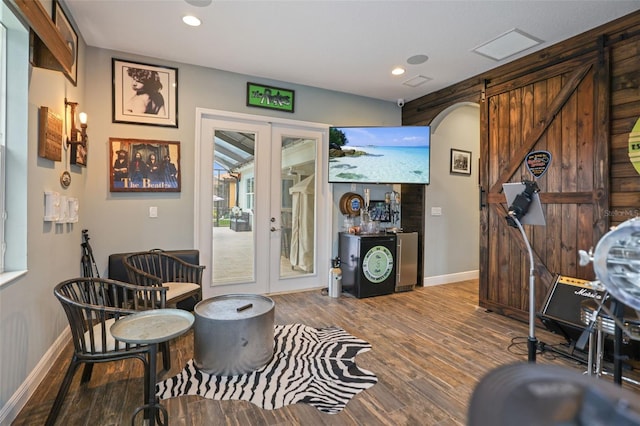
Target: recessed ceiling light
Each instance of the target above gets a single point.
(191, 21)
(417, 59)
(397, 71)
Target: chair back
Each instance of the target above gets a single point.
(92, 305)
(157, 267)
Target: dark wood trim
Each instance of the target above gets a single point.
(42, 24)
(551, 197)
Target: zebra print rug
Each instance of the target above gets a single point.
(315, 366)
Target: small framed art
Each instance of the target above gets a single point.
(144, 94)
(70, 37)
(460, 162)
(270, 97)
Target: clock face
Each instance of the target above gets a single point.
(377, 264)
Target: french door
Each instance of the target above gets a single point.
(260, 221)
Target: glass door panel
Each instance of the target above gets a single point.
(294, 204)
(233, 195)
(297, 183)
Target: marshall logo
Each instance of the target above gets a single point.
(587, 293)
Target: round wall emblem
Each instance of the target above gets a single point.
(634, 146)
(351, 203)
(65, 179)
(377, 264)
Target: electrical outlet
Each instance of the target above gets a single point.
(153, 211)
(436, 211)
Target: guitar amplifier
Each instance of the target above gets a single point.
(564, 300)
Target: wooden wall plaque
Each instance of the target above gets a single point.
(50, 135)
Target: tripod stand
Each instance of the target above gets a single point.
(88, 261)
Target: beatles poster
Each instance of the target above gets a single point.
(141, 165)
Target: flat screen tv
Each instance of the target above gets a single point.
(379, 154)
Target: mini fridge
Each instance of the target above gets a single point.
(407, 261)
(368, 264)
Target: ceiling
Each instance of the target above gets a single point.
(346, 46)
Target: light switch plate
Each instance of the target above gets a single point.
(153, 211)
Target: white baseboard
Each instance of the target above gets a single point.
(19, 399)
(451, 278)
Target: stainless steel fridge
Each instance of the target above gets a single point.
(407, 261)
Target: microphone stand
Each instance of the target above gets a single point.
(532, 342)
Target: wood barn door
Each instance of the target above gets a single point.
(563, 110)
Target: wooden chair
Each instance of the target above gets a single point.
(156, 268)
(92, 305)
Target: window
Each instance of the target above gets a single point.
(14, 117)
(3, 132)
(250, 193)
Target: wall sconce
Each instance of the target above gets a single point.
(77, 137)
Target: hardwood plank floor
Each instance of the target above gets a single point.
(431, 346)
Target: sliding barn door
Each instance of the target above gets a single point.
(562, 110)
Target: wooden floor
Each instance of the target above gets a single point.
(430, 348)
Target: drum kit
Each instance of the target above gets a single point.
(616, 262)
(530, 394)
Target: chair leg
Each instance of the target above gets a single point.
(86, 373)
(62, 392)
(166, 355)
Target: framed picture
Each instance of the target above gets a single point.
(78, 155)
(142, 165)
(270, 97)
(380, 211)
(144, 94)
(69, 36)
(460, 162)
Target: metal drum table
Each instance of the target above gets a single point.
(233, 334)
(152, 327)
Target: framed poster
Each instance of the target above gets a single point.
(144, 94)
(142, 165)
(460, 162)
(270, 97)
(380, 211)
(70, 37)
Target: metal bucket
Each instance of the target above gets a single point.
(233, 334)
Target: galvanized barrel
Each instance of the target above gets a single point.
(233, 334)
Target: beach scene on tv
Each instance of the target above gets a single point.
(379, 154)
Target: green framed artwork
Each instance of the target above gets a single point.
(270, 97)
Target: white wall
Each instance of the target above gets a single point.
(118, 222)
(451, 250)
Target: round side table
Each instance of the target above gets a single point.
(150, 328)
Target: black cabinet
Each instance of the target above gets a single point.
(368, 264)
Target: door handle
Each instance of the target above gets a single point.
(482, 196)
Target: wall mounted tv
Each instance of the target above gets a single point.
(379, 154)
